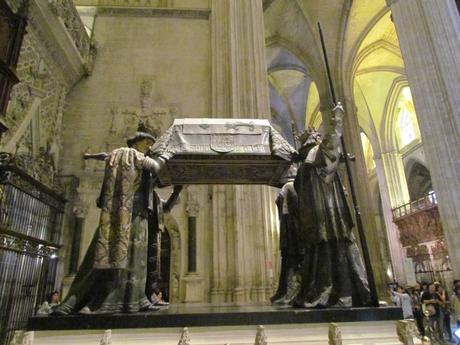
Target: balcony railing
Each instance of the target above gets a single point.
(422, 204)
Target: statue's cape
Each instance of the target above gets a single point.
(324, 214)
(122, 177)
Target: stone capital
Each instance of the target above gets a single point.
(80, 209)
(192, 208)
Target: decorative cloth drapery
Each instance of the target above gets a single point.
(223, 151)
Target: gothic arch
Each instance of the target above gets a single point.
(316, 119)
(315, 73)
(285, 60)
(368, 126)
(389, 119)
(418, 180)
(350, 65)
(289, 85)
(371, 49)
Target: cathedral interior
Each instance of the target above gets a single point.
(77, 76)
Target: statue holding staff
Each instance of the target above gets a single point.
(332, 271)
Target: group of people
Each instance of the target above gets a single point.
(431, 306)
(321, 264)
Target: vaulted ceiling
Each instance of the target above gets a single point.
(363, 52)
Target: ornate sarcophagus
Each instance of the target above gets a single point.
(223, 151)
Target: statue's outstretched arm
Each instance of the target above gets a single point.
(154, 164)
(173, 199)
(331, 142)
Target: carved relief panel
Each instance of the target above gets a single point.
(156, 115)
(12, 30)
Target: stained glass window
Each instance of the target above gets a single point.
(407, 125)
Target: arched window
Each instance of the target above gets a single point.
(419, 182)
(407, 125)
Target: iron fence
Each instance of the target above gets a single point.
(31, 217)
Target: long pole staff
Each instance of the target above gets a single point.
(359, 222)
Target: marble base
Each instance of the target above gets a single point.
(353, 333)
(212, 315)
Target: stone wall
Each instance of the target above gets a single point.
(153, 66)
(50, 63)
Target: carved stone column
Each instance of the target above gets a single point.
(220, 269)
(193, 279)
(241, 224)
(80, 210)
(393, 191)
(429, 36)
(79, 213)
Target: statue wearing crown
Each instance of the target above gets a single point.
(332, 271)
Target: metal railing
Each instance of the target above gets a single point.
(31, 217)
(428, 201)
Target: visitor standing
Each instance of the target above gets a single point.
(402, 299)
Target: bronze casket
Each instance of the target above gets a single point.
(223, 151)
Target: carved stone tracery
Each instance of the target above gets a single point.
(30, 247)
(157, 117)
(423, 226)
(75, 27)
(421, 233)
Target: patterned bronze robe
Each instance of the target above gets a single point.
(112, 277)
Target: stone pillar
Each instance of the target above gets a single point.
(220, 268)
(241, 224)
(396, 177)
(351, 132)
(193, 280)
(429, 36)
(80, 212)
(394, 192)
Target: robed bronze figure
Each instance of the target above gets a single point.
(290, 245)
(332, 270)
(112, 277)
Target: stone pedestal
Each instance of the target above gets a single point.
(429, 36)
(193, 286)
(368, 333)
